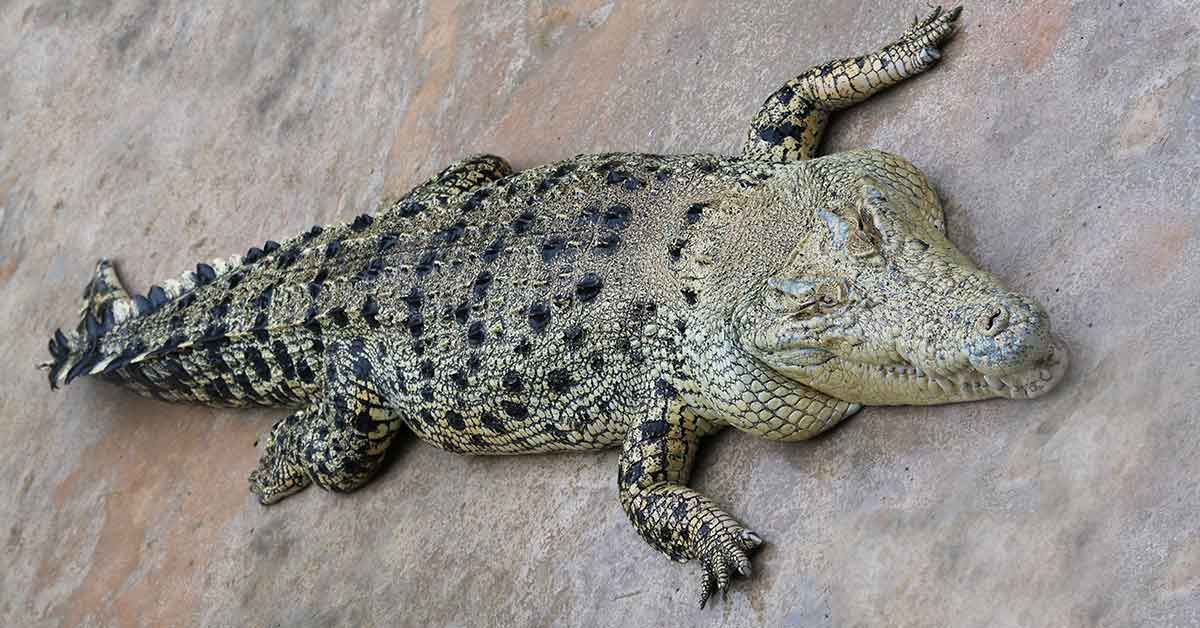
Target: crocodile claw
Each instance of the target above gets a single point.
(728, 553)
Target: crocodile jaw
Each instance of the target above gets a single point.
(903, 383)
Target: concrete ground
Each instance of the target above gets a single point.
(1062, 137)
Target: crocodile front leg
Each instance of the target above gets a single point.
(682, 523)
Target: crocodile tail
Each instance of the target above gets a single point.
(105, 304)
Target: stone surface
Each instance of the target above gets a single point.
(1062, 138)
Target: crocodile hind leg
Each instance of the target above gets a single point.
(656, 460)
(791, 121)
(339, 441)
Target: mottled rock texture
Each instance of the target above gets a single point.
(1061, 138)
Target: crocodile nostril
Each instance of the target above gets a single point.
(993, 321)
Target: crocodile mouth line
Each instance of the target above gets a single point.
(965, 384)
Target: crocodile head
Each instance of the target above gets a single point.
(876, 306)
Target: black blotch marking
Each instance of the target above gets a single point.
(597, 362)
(235, 278)
(425, 265)
(219, 310)
(333, 248)
(287, 258)
(270, 246)
(523, 222)
(414, 298)
(493, 251)
(311, 321)
(482, 281)
(362, 222)
(418, 347)
(552, 247)
(388, 242)
(411, 208)
(455, 420)
(573, 335)
(263, 300)
(695, 212)
(473, 362)
(415, 322)
(204, 274)
(283, 359)
(515, 409)
(681, 326)
(252, 255)
(707, 167)
(785, 95)
(459, 379)
(559, 380)
(452, 233)
(632, 474)
(338, 314)
(675, 251)
(653, 430)
(617, 216)
(427, 369)
(608, 243)
(260, 327)
(427, 393)
(462, 313)
(476, 334)
(493, 423)
(144, 306)
(261, 369)
(312, 233)
(689, 296)
(214, 334)
(370, 308)
(539, 316)
(523, 347)
(512, 382)
(372, 271)
(158, 296)
(663, 388)
(588, 287)
(632, 183)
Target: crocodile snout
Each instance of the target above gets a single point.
(1009, 336)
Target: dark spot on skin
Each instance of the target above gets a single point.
(559, 380)
(427, 393)
(597, 362)
(482, 281)
(512, 382)
(473, 363)
(608, 243)
(455, 420)
(252, 255)
(493, 250)
(287, 258)
(314, 289)
(311, 322)
(695, 212)
(413, 298)
(261, 369)
(142, 304)
(418, 347)
(707, 167)
(617, 216)
(588, 287)
(219, 310)
(312, 233)
(270, 246)
(305, 372)
(663, 388)
(158, 296)
(522, 223)
(663, 175)
(214, 333)
(204, 274)
(784, 95)
(514, 409)
(551, 248)
(689, 296)
(235, 278)
(681, 326)
(362, 222)
(185, 301)
(388, 242)
(370, 308)
(652, 430)
(632, 183)
(523, 347)
(676, 249)
(425, 265)
(372, 271)
(283, 359)
(415, 322)
(411, 208)
(452, 233)
(427, 369)
(539, 316)
(573, 335)
(333, 248)
(632, 474)
(338, 314)
(462, 313)
(475, 334)
(260, 327)
(492, 422)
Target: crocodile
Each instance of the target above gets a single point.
(637, 301)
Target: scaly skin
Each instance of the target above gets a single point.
(640, 301)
